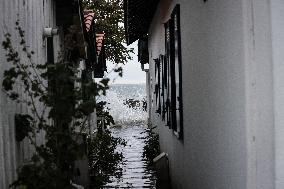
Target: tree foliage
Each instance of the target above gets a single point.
(109, 19)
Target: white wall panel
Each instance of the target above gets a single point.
(34, 15)
(227, 95)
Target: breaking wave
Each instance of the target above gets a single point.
(127, 103)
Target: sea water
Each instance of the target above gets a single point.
(126, 103)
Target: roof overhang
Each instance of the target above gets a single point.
(138, 15)
(65, 11)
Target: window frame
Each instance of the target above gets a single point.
(173, 58)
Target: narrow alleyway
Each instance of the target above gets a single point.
(136, 173)
(131, 123)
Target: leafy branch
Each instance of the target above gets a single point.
(60, 109)
(109, 19)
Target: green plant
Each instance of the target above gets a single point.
(152, 147)
(104, 159)
(23, 125)
(57, 107)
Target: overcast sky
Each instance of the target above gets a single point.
(132, 73)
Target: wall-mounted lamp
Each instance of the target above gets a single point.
(49, 32)
(47, 35)
(145, 67)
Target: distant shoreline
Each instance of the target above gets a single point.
(127, 84)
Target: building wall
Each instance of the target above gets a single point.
(259, 90)
(277, 15)
(34, 15)
(227, 94)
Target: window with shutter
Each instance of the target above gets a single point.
(172, 74)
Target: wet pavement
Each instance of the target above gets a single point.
(136, 173)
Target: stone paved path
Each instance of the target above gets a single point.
(136, 173)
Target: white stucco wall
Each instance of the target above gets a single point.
(277, 12)
(227, 95)
(34, 15)
(259, 90)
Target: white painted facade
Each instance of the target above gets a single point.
(277, 8)
(233, 94)
(34, 15)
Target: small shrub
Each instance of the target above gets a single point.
(103, 158)
(152, 147)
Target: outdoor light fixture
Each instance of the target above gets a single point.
(47, 35)
(145, 67)
(49, 32)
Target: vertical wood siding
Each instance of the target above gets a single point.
(34, 15)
